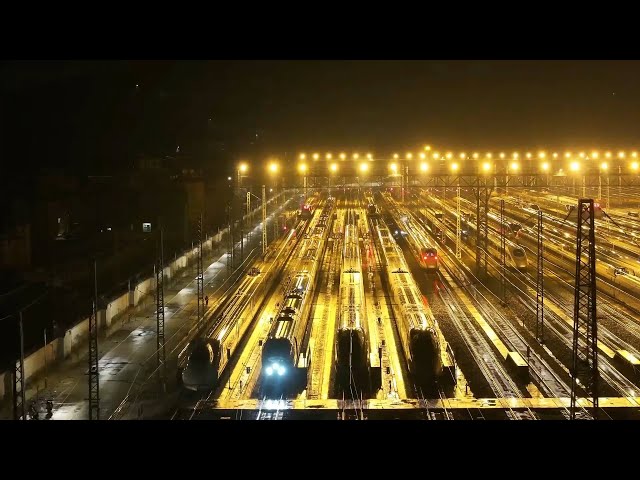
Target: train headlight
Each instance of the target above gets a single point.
(281, 370)
(269, 371)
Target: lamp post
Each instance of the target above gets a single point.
(333, 169)
(364, 167)
(303, 169)
(545, 168)
(513, 167)
(575, 168)
(242, 168)
(273, 171)
(604, 166)
(454, 170)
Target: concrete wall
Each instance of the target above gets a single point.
(143, 289)
(116, 307)
(5, 384)
(74, 337)
(36, 362)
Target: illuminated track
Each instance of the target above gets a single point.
(323, 318)
(243, 377)
(608, 372)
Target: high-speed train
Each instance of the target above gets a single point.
(429, 259)
(416, 324)
(287, 340)
(207, 356)
(560, 202)
(352, 340)
(202, 362)
(518, 257)
(572, 211)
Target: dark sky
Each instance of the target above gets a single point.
(89, 114)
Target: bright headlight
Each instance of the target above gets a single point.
(281, 370)
(269, 371)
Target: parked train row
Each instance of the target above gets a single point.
(285, 354)
(202, 362)
(515, 255)
(416, 325)
(352, 338)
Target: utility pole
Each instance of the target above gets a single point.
(249, 215)
(264, 220)
(458, 212)
(200, 277)
(19, 399)
(482, 206)
(94, 374)
(230, 245)
(160, 341)
(585, 325)
(503, 259)
(599, 187)
(540, 285)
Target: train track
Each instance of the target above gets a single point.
(610, 373)
(319, 326)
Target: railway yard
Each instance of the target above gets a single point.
(379, 302)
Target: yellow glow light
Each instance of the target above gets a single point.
(302, 156)
(607, 154)
(486, 166)
(328, 157)
(302, 167)
(409, 156)
(634, 166)
(427, 147)
(393, 167)
(424, 167)
(356, 156)
(567, 154)
(604, 166)
(542, 155)
(515, 155)
(501, 154)
(555, 154)
(243, 167)
(395, 155)
(342, 156)
(449, 155)
(364, 167)
(334, 167)
(436, 155)
(634, 154)
(316, 156)
(369, 156)
(463, 156)
(475, 155)
(454, 167)
(488, 155)
(273, 167)
(423, 156)
(514, 166)
(545, 166)
(595, 154)
(581, 155)
(620, 154)
(575, 166)
(528, 154)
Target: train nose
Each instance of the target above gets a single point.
(275, 370)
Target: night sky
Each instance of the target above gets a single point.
(90, 116)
